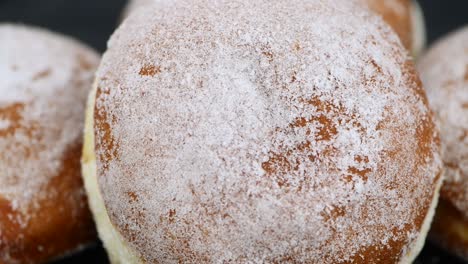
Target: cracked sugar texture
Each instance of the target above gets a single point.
(260, 131)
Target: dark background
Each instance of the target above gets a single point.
(93, 21)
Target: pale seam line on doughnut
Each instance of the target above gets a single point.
(419, 36)
(418, 245)
(117, 248)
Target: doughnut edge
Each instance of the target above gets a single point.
(419, 30)
(418, 245)
(114, 243)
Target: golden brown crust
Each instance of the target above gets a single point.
(58, 224)
(397, 13)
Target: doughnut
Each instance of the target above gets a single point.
(444, 71)
(238, 131)
(405, 17)
(44, 81)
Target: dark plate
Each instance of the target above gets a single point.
(92, 21)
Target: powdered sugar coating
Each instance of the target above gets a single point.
(256, 131)
(44, 80)
(397, 13)
(444, 71)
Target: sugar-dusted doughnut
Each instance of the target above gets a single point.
(44, 80)
(444, 71)
(239, 131)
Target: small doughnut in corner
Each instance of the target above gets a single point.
(44, 80)
(240, 131)
(444, 71)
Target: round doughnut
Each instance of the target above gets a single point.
(241, 131)
(444, 71)
(405, 17)
(44, 80)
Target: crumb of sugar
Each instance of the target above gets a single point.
(4, 124)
